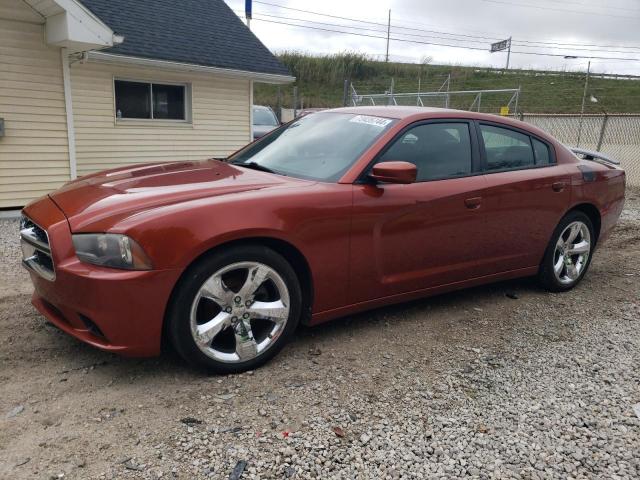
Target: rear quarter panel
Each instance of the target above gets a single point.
(602, 186)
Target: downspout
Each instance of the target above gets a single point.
(250, 111)
(68, 105)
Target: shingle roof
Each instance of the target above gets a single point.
(200, 32)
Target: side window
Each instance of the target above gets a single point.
(542, 152)
(506, 149)
(438, 150)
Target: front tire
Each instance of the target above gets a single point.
(235, 309)
(568, 254)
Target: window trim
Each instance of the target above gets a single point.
(476, 169)
(154, 121)
(483, 153)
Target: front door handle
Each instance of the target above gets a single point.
(558, 186)
(473, 203)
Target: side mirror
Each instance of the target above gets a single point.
(394, 172)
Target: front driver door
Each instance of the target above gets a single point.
(429, 233)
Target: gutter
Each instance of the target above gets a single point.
(105, 57)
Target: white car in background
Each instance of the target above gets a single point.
(264, 120)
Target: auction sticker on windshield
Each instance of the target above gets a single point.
(368, 120)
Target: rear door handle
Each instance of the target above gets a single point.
(558, 186)
(473, 203)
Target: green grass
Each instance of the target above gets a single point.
(320, 82)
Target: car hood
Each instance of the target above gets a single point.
(125, 191)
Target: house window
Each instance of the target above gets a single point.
(151, 101)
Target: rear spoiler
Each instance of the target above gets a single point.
(594, 156)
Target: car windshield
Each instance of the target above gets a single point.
(321, 146)
(263, 116)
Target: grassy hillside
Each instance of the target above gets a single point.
(320, 84)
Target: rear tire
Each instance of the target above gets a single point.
(568, 255)
(235, 309)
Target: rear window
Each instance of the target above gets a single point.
(506, 149)
(541, 150)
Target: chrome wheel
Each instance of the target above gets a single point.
(572, 252)
(239, 312)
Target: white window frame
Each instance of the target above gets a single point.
(187, 102)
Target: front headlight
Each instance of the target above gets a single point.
(111, 250)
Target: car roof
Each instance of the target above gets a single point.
(261, 107)
(412, 114)
(393, 111)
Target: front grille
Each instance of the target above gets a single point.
(36, 250)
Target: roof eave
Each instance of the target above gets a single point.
(105, 57)
(70, 25)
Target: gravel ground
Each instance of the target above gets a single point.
(502, 381)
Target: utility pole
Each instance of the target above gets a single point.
(388, 35)
(584, 98)
(508, 54)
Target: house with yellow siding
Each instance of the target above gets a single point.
(87, 85)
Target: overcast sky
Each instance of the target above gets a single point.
(598, 28)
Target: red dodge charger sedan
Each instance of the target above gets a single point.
(334, 213)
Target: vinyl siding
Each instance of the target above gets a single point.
(34, 156)
(219, 119)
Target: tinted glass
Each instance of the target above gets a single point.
(132, 99)
(168, 101)
(320, 146)
(438, 150)
(263, 116)
(542, 152)
(506, 149)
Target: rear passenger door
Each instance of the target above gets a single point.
(526, 194)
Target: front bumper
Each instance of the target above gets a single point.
(116, 310)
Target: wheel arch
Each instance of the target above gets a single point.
(591, 211)
(287, 250)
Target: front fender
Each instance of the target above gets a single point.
(314, 220)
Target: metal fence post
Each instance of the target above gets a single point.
(603, 130)
(279, 104)
(345, 90)
(295, 102)
(584, 97)
(446, 101)
(391, 99)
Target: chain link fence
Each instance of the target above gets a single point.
(615, 135)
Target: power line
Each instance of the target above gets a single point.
(318, 13)
(607, 7)
(541, 7)
(371, 29)
(396, 27)
(438, 44)
(520, 42)
(323, 23)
